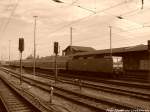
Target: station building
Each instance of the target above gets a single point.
(76, 49)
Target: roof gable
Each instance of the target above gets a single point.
(80, 48)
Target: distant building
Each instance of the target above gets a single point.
(3, 62)
(76, 49)
(134, 60)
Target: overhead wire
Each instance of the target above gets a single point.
(65, 25)
(95, 13)
(73, 4)
(115, 33)
(85, 8)
(10, 17)
(106, 38)
(85, 39)
(128, 39)
(83, 18)
(91, 15)
(131, 13)
(76, 21)
(135, 10)
(87, 17)
(75, 1)
(2, 21)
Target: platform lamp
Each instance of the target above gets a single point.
(21, 49)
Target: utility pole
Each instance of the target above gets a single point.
(9, 50)
(142, 4)
(148, 44)
(34, 60)
(110, 29)
(70, 36)
(1, 54)
(1, 57)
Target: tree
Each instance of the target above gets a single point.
(30, 57)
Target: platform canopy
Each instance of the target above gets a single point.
(116, 51)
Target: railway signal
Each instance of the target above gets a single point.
(21, 45)
(21, 49)
(34, 60)
(56, 48)
(56, 52)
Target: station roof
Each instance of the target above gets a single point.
(119, 51)
(80, 48)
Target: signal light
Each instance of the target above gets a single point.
(56, 47)
(21, 44)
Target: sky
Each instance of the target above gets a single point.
(90, 20)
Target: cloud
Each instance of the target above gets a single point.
(89, 29)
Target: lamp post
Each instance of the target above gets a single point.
(70, 36)
(142, 4)
(110, 35)
(9, 50)
(34, 60)
(148, 43)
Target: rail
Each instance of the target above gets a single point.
(79, 95)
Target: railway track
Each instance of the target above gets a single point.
(99, 104)
(16, 99)
(112, 86)
(120, 82)
(116, 89)
(115, 82)
(14, 102)
(69, 76)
